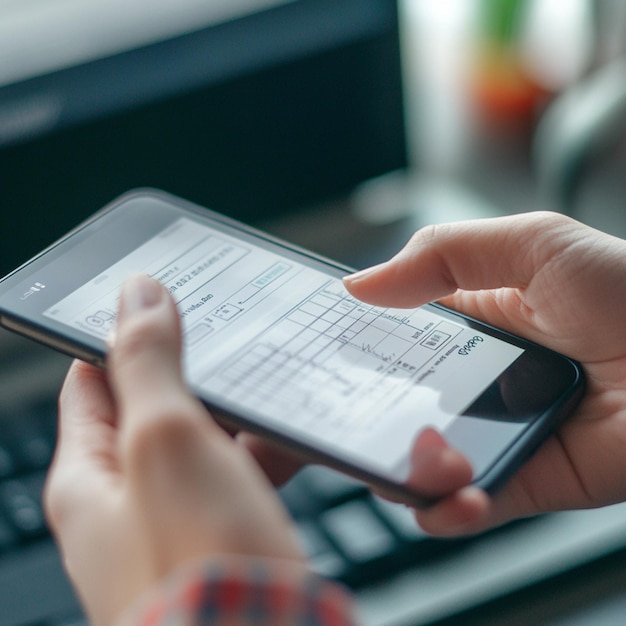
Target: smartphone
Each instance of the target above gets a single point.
(274, 344)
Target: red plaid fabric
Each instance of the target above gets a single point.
(241, 592)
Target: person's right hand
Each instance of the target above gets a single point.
(556, 282)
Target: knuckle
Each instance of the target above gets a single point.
(429, 235)
(546, 227)
(543, 218)
(423, 236)
(428, 243)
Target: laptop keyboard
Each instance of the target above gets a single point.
(351, 535)
(26, 448)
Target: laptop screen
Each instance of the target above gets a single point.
(72, 32)
(250, 107)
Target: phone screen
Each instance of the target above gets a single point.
(271, 335)
(287, 342)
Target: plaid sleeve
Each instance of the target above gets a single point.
(241, 592)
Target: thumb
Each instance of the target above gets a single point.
(190, 482)
(144, 363)
(475, 255)
(163, 428)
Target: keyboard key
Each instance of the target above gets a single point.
(297, 497)
(7, 463)
(358, 532)
(36, 452)
(32, 446)
(418, 545)
(401, 519)
(21, 501)
(323, 558)
(8, 537)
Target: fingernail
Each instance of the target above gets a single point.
(368, 271)
(139, 292)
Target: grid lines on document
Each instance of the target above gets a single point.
(303, 345)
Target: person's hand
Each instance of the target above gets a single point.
(143, 479)
(554, 281)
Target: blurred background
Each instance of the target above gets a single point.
(343, 126)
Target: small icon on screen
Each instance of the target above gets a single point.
(32, 290)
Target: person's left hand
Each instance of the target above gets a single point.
(143, 479)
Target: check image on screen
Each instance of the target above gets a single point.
(287, 345)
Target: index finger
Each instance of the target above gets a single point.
(476, 255)
(85, 405)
